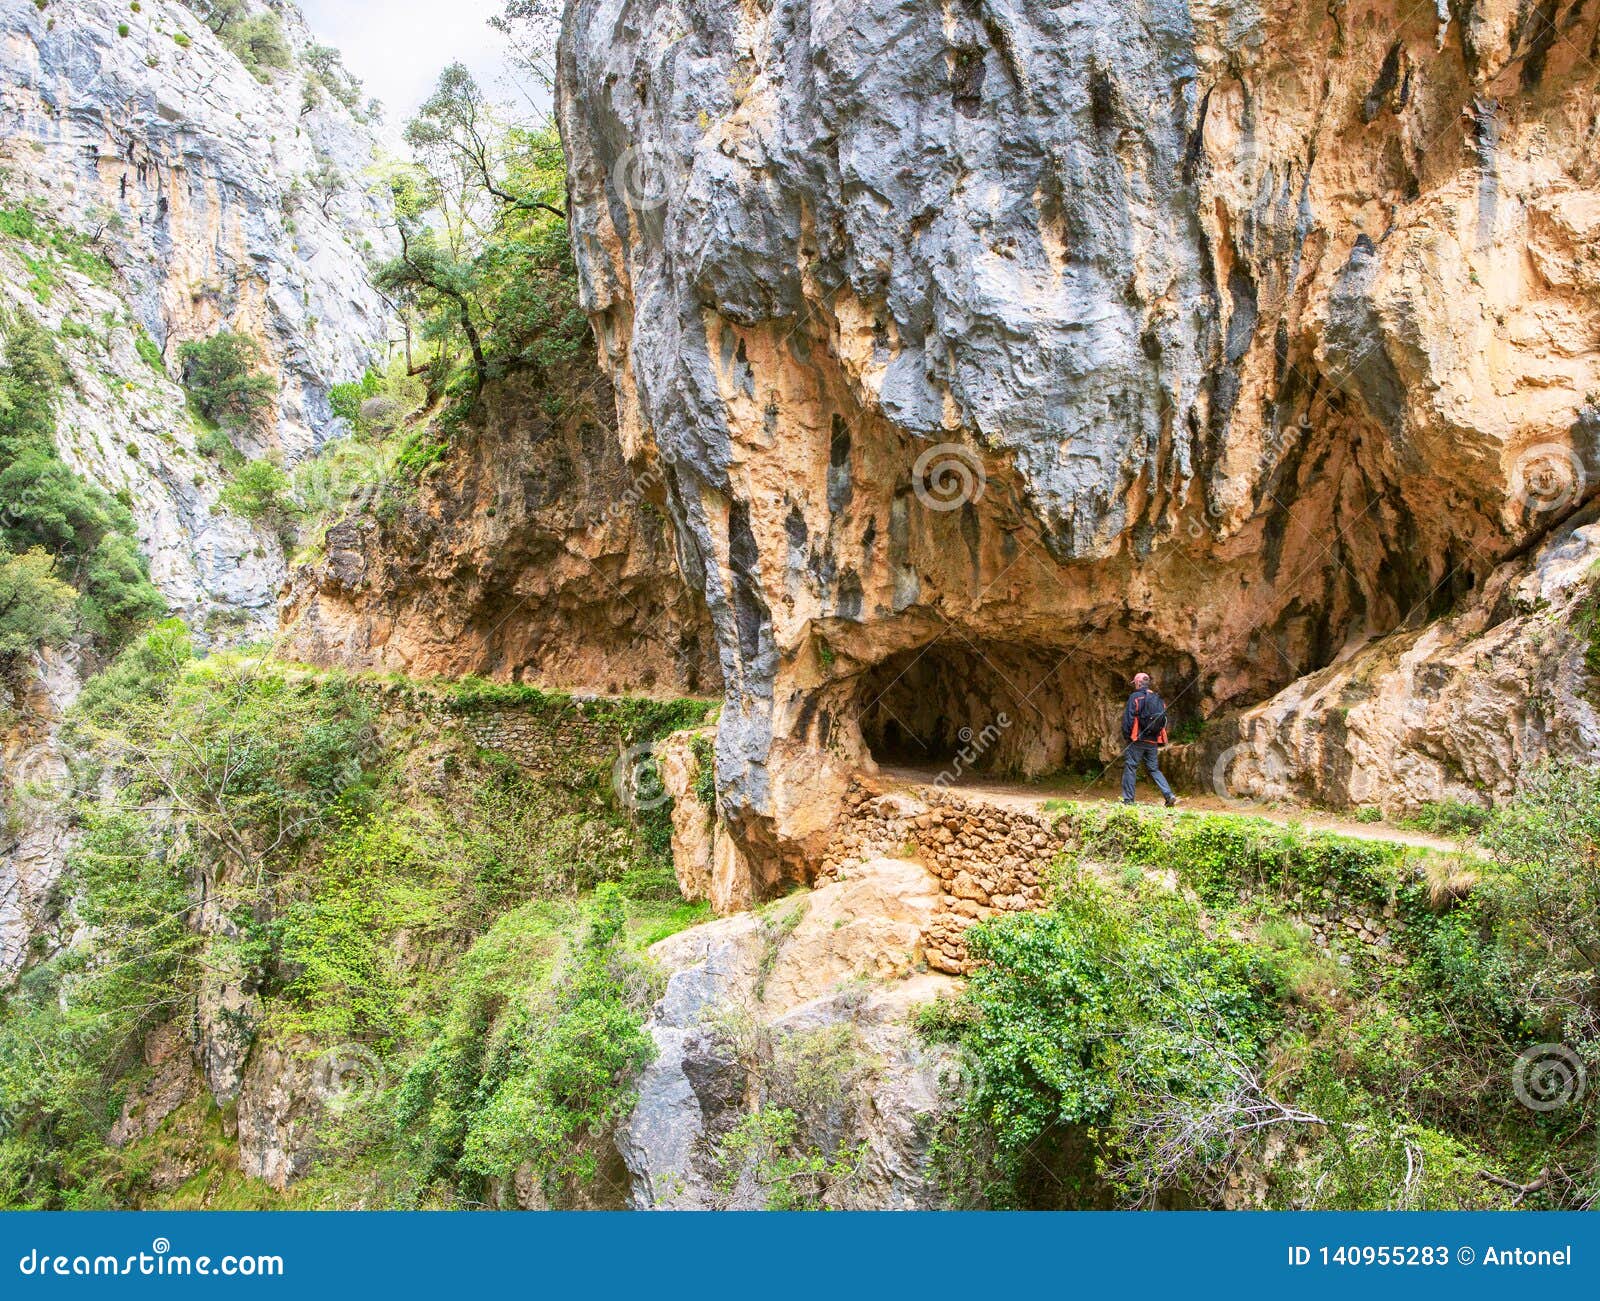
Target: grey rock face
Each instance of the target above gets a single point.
(1213, 345)
(198, 179)
(820, 989)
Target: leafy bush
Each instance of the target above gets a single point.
(35, 606)
(260, 492)
(538, 1050)
(346, 399)
(220, 376)
(1448, 818)
(1102, 1014)
(259, 43)
(1546, 896)
(89, 534)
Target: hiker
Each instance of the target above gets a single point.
(1144, 727)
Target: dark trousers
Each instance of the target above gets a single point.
(1149, 755)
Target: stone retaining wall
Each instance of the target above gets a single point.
(988, 858)
(543, 738)
(995, 858)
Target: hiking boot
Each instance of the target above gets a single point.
(1128, 804)
(1172, 801)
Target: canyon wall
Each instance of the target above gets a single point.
(993, 351)
(531, 553)
(224, 199)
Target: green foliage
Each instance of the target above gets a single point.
(346, 399)
(1447, 818)
(259, 43)
(485, 262)
(89, 534)
(326, 71)
(259, 491)
(537, 1050)
(220, 376)
(150, 351)
(1098, 1012)
(76, 1023)
(1545, 897)
(35, 606)
(634, 718)
(705, 777)
(764, 1147)
(59, 245)
(1220, 856)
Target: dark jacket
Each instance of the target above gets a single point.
(1151, 710)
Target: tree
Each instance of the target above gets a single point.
(1545, 895)
(455, 131)
(35, 606)
(219, 374)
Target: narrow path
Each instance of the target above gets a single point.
(1034, 795)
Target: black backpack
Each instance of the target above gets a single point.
(1149, 718)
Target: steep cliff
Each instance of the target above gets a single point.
(154, 190)
(224, 196)
(995, 351)
(531, 552)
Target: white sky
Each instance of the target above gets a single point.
(398, 47)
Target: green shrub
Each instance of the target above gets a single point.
(260, 492)
(1447, 818)
(538, 1050)
(150, 351)
(346, 399)
(259, 43)
(35, 606)
(220, 376)
(1545, 894)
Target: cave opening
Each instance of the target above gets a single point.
(985, 707)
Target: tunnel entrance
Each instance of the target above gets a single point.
(986, 707)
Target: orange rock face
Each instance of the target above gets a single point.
(990, 361)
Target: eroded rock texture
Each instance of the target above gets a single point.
(531, 553)
(1265, 331)
(223, 200)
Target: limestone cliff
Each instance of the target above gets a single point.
(996, 350)
(223, 198)
(531, 553)
(154, 191)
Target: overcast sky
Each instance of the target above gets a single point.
(397, 47)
